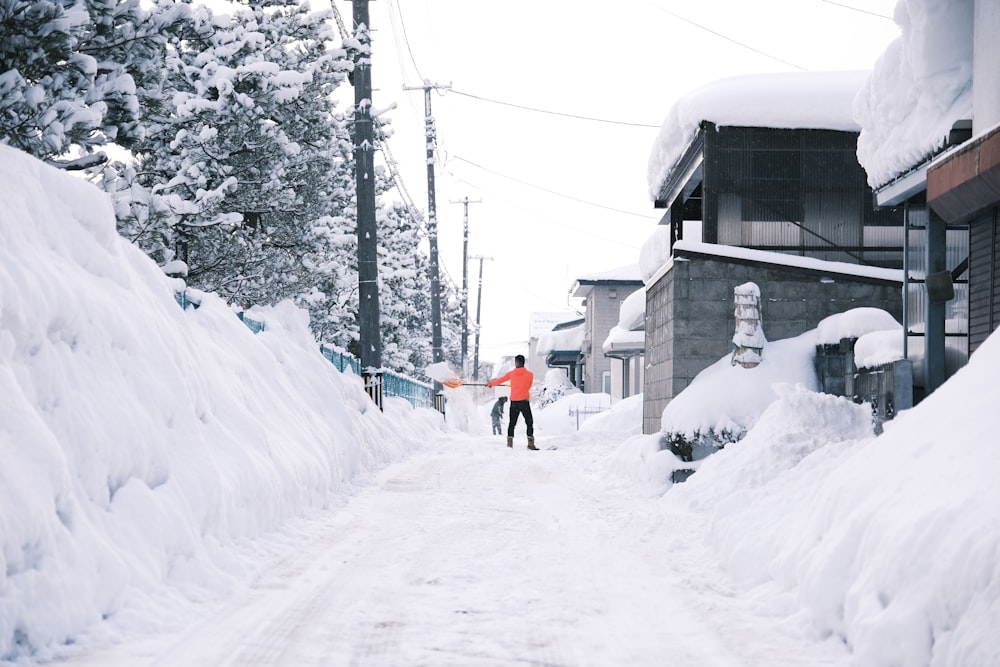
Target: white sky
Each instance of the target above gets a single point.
(628, 62)
(176, 490)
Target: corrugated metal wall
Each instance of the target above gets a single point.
(796, 191)
(984, 275)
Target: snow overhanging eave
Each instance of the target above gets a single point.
(903, 187)
(912, 182)
(684, 176)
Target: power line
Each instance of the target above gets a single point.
(858, 9)
(406, 39)
(551, 192)
(730, 39)
(554, 113)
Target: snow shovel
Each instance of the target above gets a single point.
(456, 382)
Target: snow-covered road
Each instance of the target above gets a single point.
(470, 553)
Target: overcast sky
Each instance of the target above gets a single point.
(563, 197)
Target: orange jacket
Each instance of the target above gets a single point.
(521, 380)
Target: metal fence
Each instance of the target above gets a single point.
(888, 387)
(419, 394)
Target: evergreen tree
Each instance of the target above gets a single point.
(239, 179)
(68, 73)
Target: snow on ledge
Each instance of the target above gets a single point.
(782, 259)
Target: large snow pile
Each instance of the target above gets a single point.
(139, 440)
(888, 544)
(918, 88)
(891, 543)
(812, 100)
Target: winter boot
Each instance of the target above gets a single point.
(531, 442)
(510, 441)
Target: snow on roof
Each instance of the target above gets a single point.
(623, 339)
(540, 323)
(632, 313)
(624, 274)
(918, 88)
(814, 100)
(627, 273)
(560, 341)
(782, 259)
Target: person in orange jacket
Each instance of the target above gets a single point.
(521, 380)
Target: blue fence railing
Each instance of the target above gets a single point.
(341, 360)
(419, 394)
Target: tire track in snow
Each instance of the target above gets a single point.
(471, 554)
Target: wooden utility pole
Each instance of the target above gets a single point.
(479, 309)
(370, 339)
(430, 132)
(465, 201)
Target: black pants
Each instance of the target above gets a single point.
(520, 408)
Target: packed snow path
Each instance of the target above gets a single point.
(470, 553)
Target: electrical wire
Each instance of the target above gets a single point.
(551, 192)
(730, 39)
(554, 113)
(406, 39)
(858, 9)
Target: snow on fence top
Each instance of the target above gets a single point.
(814, 100)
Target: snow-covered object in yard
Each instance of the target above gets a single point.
(918, 88)
(140, 441)
(555, 385)
(853, 324)
(723, 398)
(811, 100)
(748, 339)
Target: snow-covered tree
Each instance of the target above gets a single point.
(239, 178)
(69, 72)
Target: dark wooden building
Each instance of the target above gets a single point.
(797, 191)
(790, 191)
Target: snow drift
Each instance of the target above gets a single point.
(138, 439)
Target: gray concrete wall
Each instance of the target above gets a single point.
(690, 316)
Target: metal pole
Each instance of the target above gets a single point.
(430, 137)
(465, 275)
(479, 308)
(370, 341)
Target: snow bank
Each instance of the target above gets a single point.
(918, 88)
(891, 542)
(569, 413)
(624, 418)
(727, 398)
(139, 440)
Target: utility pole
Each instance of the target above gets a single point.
(479, 308)
(430, 132)
(465, 274)
(370, 341)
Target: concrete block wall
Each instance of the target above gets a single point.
(690, 315)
